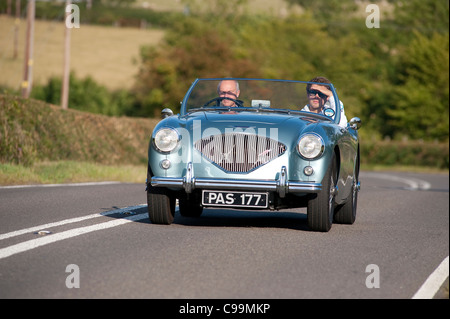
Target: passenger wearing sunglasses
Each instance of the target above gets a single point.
(321, 97)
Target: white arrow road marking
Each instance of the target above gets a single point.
(34, 243)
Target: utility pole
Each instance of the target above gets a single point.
(8, 7)
(16, 30)
(28, 65)
(66, 72)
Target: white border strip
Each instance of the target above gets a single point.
(434, 282)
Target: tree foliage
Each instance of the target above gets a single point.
(395, 78)
(84, 95)
(421, 101)
(193, 50)
(427, 17)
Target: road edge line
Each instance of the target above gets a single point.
(434, 282)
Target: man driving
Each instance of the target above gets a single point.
(229, 91)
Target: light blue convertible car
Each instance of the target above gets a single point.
(256, 144)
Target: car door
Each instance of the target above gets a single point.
(348, 149)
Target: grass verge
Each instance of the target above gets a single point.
(58, 172)
(70, 172)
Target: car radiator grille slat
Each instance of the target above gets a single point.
(239, 152)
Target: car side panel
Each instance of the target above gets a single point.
(348, 146)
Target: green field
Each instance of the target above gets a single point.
(107, 54)
(104, 53)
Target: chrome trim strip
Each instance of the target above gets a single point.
(189, 179)
(237, 184)
(282, 186)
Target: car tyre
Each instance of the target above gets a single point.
(161, 206)
(320, 209)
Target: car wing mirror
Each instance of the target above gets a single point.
(355, 123)
(166, 113)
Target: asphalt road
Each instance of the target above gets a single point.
(95, 241)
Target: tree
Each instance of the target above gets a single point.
(428, 16)
(421, 100)
(327, 9)
(191, 51)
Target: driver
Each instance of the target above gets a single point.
(230, 90)
(320, 97)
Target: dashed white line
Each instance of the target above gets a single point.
(66, 221)
(34, 243)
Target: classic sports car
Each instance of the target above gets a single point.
(252, 144)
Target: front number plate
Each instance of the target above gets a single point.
(235, 199)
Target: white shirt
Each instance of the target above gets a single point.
(331, 105)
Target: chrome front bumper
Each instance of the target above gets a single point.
(282, 186)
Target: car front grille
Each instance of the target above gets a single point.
(239, 152)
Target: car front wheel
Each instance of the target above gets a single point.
(321, 208)
(161, 205)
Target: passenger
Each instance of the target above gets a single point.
(321, 97)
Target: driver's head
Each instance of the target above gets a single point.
(228, 89)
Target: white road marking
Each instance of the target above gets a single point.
(35, 243)
(431, 286)
(414, 184)
(66, 221)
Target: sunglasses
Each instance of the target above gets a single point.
(313, 93)
(227, 93)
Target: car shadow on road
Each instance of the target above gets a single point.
(288, 219)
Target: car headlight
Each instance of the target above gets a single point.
(310, 146)
(166, 140)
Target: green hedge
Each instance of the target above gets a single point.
(32, 130)
(405, 153)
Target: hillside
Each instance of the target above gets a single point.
(105, 53)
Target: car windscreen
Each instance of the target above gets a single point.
(252, 95)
